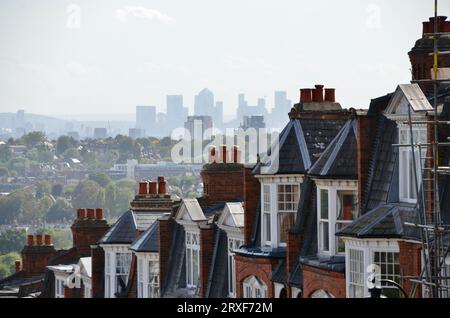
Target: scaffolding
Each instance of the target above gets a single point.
(435, 276)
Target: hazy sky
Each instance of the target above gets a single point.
(94, 56)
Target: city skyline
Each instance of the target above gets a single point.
(78, 67)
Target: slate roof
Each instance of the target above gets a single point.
(334, 263)
(383, 167)
(148, 242)
(339, 160)
(176, 265)
(279, 274)
(385, 221)
(296, 276)
(301, 143)
(122, 232)
(217, 286)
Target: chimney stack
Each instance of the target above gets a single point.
(99, 214)
(48, 239)
(81, 214)
(143, 188)
(318, 94)
(90, 214)
(17, 263)
(330, 95)
(305, 95)
(30, 240)
(161, 186)
(152, 187)
(39, 239)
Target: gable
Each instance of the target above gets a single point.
(408, 95)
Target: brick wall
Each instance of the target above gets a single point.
(252, 189)
(166, 227)
(98, 271)
(223, 182)
(249, 266)
(206, 253)
(86, 233)
(365, 131)
(317, 278)
(294, 244)
(410, 264)
(36, 258)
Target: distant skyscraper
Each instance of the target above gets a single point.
(175, 111)
(135, 133)
(255, 122)
(280, 109)
(100, 133)
(245, 110)
(204, 103)
(146, 119)
(197, 125)
(218, 115)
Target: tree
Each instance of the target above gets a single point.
(126, 183)
(3, 172)
(19, 205)
(12, 240)
(33, 138)
(57, 190)
(61, 210)
(4, 271)
(123, 198)
(86, 194)
(8, 264)
(63, 143)
(110, 196)
(101, 178)
(44, 205)
(20, 165)
(5, 153)
(42, 188)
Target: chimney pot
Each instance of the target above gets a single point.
(81, 213)
(305, 95)
(143, 187)
(39, 240)
(318, 94)
(152, 187)
(17, 263)
(330, 95)
(224, 154)
(48, 239)
(30, 240)
(90, 214)
(236, 154)
(99, 214)
(162, 187)
(212, 155)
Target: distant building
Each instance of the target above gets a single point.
(135, 133)
(74, 135)
(245, 110)
(100, 133)
(282, 106)
(197, 125)
(204, 103)
(146, 119)
(255, 122)
(175, 111)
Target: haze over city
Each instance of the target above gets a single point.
(78, 57)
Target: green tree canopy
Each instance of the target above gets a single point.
(60, 210)
(101, 178)
(33, 138)
(63, 143)
(12, 240)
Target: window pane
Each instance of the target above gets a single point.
(267, 226)
(324, 204)
(324, 234)
(347, 207)
(286, 221)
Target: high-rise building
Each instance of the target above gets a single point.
(175, 111)
(197, 125)
(135, 133)
(218, 115)
(204, 103)
(100, 133)
(245, 110)
(281, 108)
(146, 119)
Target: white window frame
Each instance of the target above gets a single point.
(59, 286)
(254, 288)
(369, 246)
(143, 274)
(274, 240)
(407, 191)
(332, 216)
(110, 266)
(356, 272)
(153, 278)
(191, 250)
(233, 244)
(87, 291)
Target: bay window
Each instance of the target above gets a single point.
(407, 177)
(279, 204)
(356, 272)
(233, 244)
(192, 259)
(389, 264)
(153, 279)
(336, 207)
(123, 263)
(140, 270)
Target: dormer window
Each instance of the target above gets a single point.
(254, 288)
(336, 207)
(192, 258)
(279, 202)
(407, 177)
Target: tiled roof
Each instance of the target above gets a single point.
(339, 160)
(148, 242)
(279, 274)
(296, 276)
(122, 232)
(385, 221)
(334, 263)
